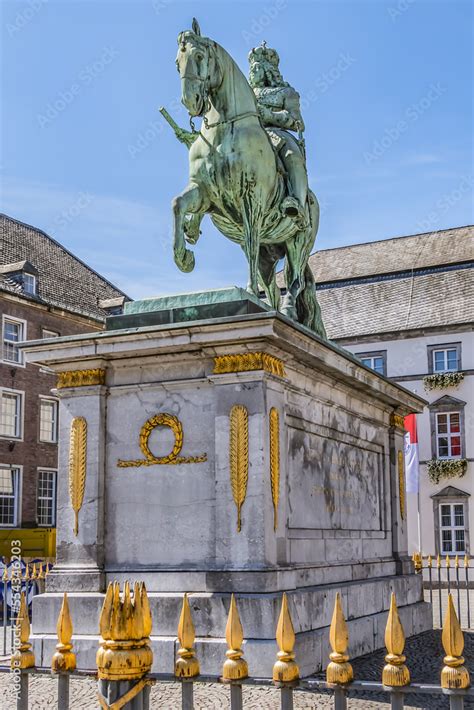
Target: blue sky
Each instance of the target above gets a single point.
(386, 89)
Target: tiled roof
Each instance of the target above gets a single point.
(449, 246)
(405, 283)
(383, 306)
(64, 280)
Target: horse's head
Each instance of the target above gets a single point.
(198, 69)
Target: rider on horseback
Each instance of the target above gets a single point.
(279, 109)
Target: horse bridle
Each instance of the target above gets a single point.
(207, 102)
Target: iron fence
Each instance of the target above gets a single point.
(443, 576)
(124, 658)
(18, 575)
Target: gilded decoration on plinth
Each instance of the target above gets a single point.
(274, 425)
(77, 466)
(80, 378)
(247, 362)
(401, 483)
(171, 421)
(398, 421)
(239, 457)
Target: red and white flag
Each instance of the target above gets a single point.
(412, 468)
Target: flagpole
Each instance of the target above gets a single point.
(419, 517)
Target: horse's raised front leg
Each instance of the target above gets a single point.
(192, 225)
(189, 201)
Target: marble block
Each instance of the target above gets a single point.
(318, 487)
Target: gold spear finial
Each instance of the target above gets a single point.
(40, 571)
(187, 665)
(285, 668)
(64, 659)
(454, 674)
(395, 673)
(34, 573)
(438, 561)
(5, 574)
(339, 671)
(235, 666)
(456, 561)
(418, 561)
(448, 562)
(430, 561)
(27, 572)
(125, 625)
(466, 561)
(23, 657)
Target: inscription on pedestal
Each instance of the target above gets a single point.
(333, 485)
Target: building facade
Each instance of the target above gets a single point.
(45, 292)
(405, 307)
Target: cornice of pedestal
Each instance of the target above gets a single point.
(281, 345)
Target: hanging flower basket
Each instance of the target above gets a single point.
(440, 380)
(439, 469)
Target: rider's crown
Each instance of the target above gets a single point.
(264, 54)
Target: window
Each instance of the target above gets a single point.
(445, 360)
(375, 360)
(11, 414)
(448, 435)
(48, 420)
(46, 498)
(29, 283)
(444, 357)
(375, 363)
(49, 334)
(452, 528)
(9, 495)
(13, 333)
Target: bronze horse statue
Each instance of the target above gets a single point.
(236, 178)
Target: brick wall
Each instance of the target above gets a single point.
(31, 453)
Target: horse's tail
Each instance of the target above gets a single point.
(307, 306)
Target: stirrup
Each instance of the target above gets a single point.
(291, 208)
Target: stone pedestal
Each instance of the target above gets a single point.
(186, 420)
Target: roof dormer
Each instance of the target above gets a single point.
(22, 273)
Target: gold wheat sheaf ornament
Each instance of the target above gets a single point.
(239, 457)
(274, 424)
(77, 466)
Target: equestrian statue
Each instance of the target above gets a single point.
(247, 170)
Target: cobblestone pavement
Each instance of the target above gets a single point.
(424, 658)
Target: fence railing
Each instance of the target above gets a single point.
(124, 658)
(16, 576)
(442, 576)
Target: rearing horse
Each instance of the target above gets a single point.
(235, 177)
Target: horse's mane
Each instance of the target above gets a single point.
(230, 66)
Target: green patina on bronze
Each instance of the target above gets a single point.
(247, 170)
